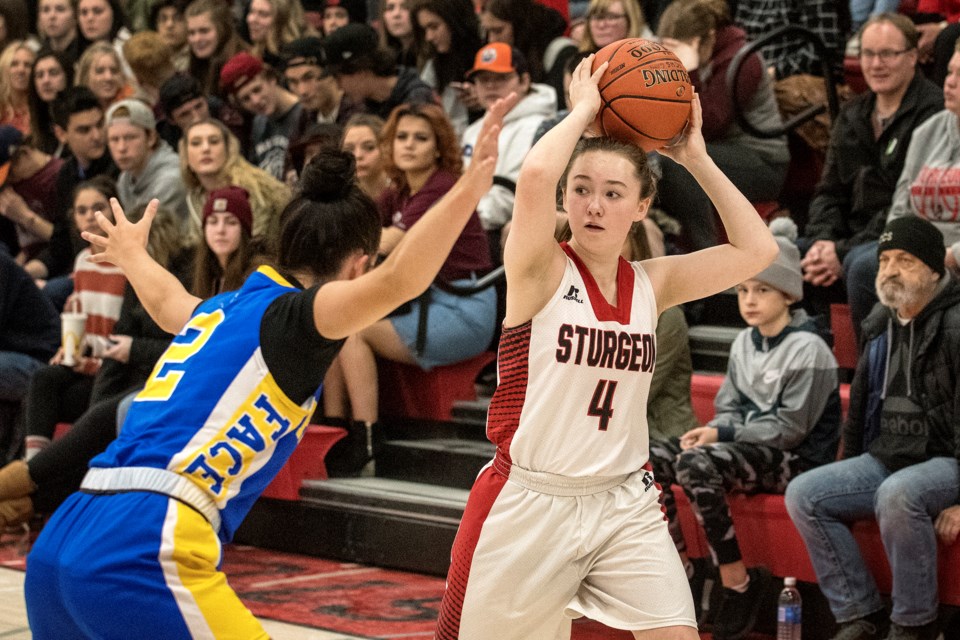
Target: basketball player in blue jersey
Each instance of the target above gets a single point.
(135, 553)
(566, 520)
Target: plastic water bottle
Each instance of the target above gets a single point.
(789, 611)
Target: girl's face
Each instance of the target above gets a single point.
(414, 145)
(56, 18)
(19, 73)
(106, 79)
(96, 18)
(602, 199)
(206, 150)
(363, 144)
(608, 25)
(260, 20)
(85, 205)
(396, 19)
(49, 78)
(435, 30)
(222, 232)
(172, 27)
(202, 36)
(496, 30)
(334, 18)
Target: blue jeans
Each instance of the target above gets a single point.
(824, 501)
(861, 10)
(860, 267)
(15, 372)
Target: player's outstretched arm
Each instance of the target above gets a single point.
(751, 247)
(125, 245)
(343, 307)
(532, 258)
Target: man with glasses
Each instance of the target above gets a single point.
(868, 147)
(498, 71)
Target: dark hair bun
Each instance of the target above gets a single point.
(329, 176)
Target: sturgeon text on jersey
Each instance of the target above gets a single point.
(604, 348)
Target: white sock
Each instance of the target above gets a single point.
(34, 445)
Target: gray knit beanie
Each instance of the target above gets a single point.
(784, 274)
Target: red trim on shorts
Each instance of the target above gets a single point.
(482, 496)
(604, 311)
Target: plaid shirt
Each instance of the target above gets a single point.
(791, 56)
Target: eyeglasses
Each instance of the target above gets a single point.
(606, 16)
(886, 55)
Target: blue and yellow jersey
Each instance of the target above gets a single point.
(212, 409)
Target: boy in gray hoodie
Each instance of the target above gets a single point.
(777, 415)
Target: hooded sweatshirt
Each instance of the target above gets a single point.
(930, 180)
(910, 411)
(161, 179)
(782, 392)
(516, 138)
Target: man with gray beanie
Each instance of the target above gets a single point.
(777, 415)
(900, 447)
(149, 168)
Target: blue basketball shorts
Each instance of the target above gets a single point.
(131, 565)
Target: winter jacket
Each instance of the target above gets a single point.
(669, 408)
(860, 175)
(782, 392)
(934, 375)
(930, 179)
(516, 139)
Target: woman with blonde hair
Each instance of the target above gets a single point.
(612, 20)
(362, 138)
(100, 69)
(210, 159)
(16, 63)
(272, 24)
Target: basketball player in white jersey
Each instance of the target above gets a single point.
(566, 520)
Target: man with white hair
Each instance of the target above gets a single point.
(900, 447)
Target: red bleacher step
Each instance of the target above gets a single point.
(409, 391)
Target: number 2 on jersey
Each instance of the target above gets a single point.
(601, 406)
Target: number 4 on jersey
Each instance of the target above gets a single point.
(601, 406)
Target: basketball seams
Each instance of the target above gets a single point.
(635, 67)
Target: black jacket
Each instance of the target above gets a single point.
(860, 175)
(934, 374)
(28, 322)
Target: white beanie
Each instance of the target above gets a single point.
(784, 274)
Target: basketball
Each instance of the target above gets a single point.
(645, 93)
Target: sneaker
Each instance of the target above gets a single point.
(927, 631)
(738, 611)
(863, 629)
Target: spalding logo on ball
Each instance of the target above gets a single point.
(645, 93)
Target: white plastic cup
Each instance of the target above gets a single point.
(72, 330)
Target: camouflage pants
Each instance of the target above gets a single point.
(707, 474)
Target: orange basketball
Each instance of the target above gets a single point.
(645, 93)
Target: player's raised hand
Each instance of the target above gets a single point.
(485, 153)
(124, 240)
(584, 92)
(690, 146)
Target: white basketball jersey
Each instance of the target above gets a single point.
(573, 381)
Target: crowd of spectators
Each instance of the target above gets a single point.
(216, 106)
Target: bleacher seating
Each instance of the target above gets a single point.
(844, 337)
(411, 392)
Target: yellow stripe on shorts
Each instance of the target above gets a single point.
(189, 554)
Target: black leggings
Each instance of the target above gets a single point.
(58, 469)
(56, 394)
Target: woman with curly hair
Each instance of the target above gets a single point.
(272, 24)
(447, 35)
(210, 159)
(16, 62)
(422, 156)
(100, 69)
(212, 40)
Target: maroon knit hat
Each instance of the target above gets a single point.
(238, 71)
(233, 200)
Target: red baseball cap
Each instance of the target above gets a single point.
(238, 71)
(499, 57)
